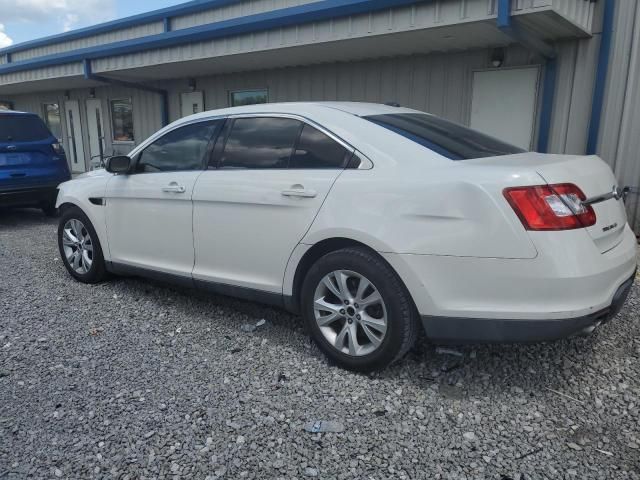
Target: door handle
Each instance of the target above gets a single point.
(300, 192)
(173, 187)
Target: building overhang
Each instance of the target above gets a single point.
(312, 33)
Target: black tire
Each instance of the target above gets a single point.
(402, 319)
(97, 272)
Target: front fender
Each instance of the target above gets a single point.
(78, 193)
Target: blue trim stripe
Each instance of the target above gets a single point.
(312, 12)
(141, 19)
(601, 77)
(548, 94)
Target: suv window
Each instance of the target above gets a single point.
(260, 142)
(449, 139)
(22, 128)
(181, 149)
(317, 150)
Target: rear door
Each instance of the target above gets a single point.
(26, 155)
(266, 182)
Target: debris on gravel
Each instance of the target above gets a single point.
(134, 379)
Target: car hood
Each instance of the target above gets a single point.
(93, 173)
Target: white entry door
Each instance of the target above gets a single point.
(95, 124)
(504, 104)
(190, 103)
(75, 149)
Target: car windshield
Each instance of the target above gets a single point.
(449, 139)
(22, 128)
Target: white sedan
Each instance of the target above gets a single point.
(372, 221)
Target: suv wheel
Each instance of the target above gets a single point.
(357, 310)
(79, 247)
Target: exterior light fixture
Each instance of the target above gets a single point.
(497, 57)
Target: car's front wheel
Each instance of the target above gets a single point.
(79, 247)
(357, 310)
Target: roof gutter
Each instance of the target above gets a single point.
(506, 25)
(601, 77)
(164, 94)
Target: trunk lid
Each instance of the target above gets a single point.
(591, 174)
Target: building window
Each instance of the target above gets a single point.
(122, 120)
(6, 105)
(52, 119)
(249, 97)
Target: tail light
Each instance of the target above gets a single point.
(551, 207)
(59, 149)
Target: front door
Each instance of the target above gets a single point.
(95, 125)
(259, 198)
(75, 147)
(149, 211)
(190, 103)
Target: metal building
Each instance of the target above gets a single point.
(550, 75)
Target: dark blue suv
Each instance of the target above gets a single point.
(32, 162)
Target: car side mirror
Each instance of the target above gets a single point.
(118, 164)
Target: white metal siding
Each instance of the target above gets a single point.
(420, 16)
(437, 83)
(104, 38)
(241, 9)
(619, 139)
(58, 71)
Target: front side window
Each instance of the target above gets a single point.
(317, 150)
(249, 97)
(260, 142)
(122, 120)
(52, 118)
(449, 139)
(181, 149)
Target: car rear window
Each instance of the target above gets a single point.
(449, 139)
(22, 128)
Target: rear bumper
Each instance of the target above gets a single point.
(477, 330)
(28, 195)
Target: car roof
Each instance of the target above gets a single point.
(354, 108)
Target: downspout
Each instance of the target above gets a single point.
(164, 95)
(601, 77)
(505, 25)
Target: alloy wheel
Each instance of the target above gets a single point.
(350, 313)
(77, 245)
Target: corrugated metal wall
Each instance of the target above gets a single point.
(437, 83)
(110, 37)
(620, 127)
(248, 7)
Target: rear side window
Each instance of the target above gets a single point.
(181, 149)
(260, 142)
(449, 139)
(22, 128)
(317, 150)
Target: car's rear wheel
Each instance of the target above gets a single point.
(358, 310)
(79, 247)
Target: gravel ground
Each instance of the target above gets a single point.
(133, 379)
